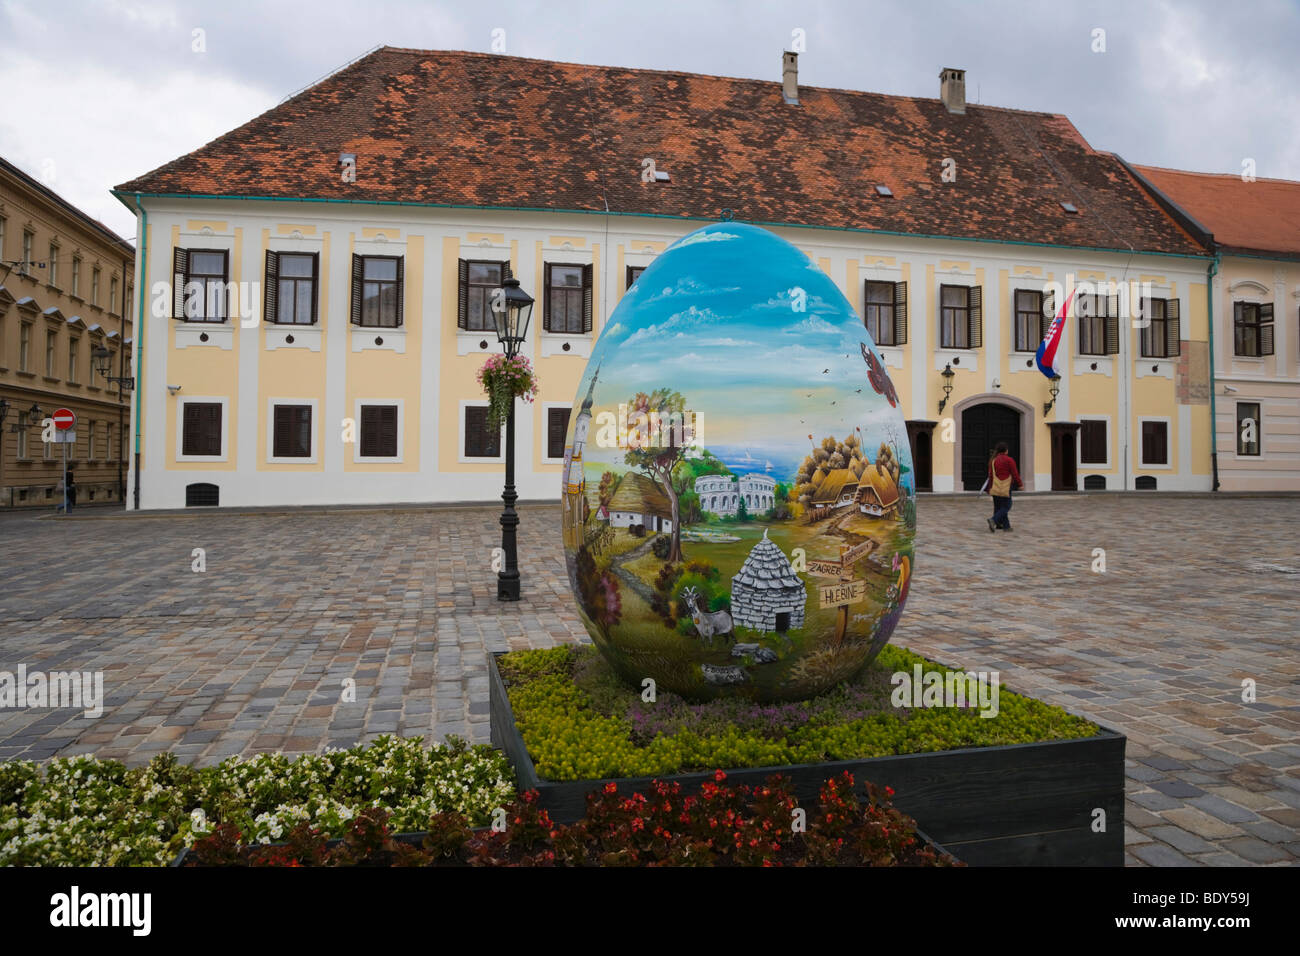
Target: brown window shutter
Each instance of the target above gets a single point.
(1112, 326)
(586, 297)
(271, 294)
(1173, 336)
(401, 291)
(1266, 329)
(315, 287)
(546, 297)
(462, 294)
(191, 435)
(358, 282)
(180, 275)
(900, 313)
(976, 317)
(388, 431)
(283, 430)
(369, 430)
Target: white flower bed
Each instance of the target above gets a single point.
(80, 811)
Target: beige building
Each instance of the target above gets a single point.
(65, 289)
(318, 279)
(1253, 227)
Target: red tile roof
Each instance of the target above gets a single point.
(483, 130)
(1258, 217)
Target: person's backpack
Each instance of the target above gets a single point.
(999, 487)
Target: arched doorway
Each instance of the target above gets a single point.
(984, 420)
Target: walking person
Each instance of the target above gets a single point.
(72, 490)
(1003, 476)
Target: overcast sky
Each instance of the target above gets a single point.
(100, 92)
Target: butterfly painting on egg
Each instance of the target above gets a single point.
(878, 377)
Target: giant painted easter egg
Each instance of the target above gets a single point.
(739, 504)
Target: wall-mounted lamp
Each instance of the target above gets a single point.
(1055, 390)
(102, 363)
(948, 375)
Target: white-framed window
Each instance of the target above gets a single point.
(291, 431)
(1154, 448)
(76, 277)
(380, 422)
(94, 286)
(202, 432)
(477, 444)
(1250, 429)
(52, 266)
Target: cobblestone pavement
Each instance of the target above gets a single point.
(251, 654)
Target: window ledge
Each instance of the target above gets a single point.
(51, 379)
(961, 359)
(891, 355)
(566, 343)
(25, 374)
(219, 335)
(367, 338)
(288, 336)
(1021, 362)
(1094, 365)
(468, 343)
(1154, 367)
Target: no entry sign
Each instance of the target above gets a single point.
(63, 419)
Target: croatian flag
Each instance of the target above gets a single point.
(1046, 354)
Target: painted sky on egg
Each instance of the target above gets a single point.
(714, 317)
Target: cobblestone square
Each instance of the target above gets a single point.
(253, 653)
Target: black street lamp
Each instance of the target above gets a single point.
(948, 375)
(102, 358)
(1055, 389)
(511, 310)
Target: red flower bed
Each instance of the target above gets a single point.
(722, 825)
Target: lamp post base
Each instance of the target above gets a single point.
(507, 588)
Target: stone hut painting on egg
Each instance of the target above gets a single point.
(738, 499)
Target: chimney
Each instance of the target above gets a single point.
(952, 89)
(790, 77)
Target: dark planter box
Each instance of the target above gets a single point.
(1016, 805)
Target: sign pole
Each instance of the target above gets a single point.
(65, 478)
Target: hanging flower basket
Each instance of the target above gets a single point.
(504, 380)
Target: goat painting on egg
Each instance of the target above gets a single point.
(739, 503)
